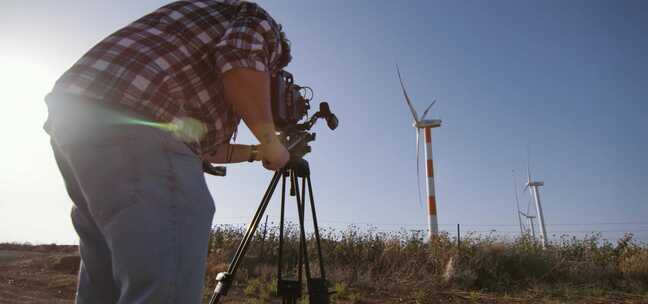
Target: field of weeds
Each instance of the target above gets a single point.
(373, 267)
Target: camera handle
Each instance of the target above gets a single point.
(324, 112)
(214, 170)
(288, 290)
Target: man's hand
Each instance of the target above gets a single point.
(274, 155)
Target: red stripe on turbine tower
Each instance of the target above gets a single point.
(430, 168)
(432, 207)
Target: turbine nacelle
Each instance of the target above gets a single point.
(526, 215)
(533, 184)
(428, 123)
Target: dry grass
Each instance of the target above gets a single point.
(367, 264)
(373, 267)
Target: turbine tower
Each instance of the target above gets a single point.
(426, 125)
(531, 229)
(534, 190)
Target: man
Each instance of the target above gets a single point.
(131, 123)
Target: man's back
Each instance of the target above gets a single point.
(169, 63)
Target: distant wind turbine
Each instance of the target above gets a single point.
(534, 190)
(529, 218)
(425, 125)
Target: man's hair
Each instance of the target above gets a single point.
(254, 9)
(286, 57)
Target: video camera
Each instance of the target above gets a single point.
(290, 104)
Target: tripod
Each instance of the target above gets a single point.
(289, 290)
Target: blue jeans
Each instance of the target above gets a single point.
(141, 209)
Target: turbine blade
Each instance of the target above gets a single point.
(409, 103)
(418, 167)
(528, 212)
(517, 203)
(528, 164)
(428, 109)
(524, 229)
(517, 199)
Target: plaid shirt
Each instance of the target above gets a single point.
(168, 64)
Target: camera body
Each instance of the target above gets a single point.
(289, 106)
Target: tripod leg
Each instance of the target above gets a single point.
(281, 226)
(317, 287)
(316, 227)
(288, 290)
(300, 253)
(225, 279)
(242, 249)
(300, 210)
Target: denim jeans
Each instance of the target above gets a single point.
(142, 210)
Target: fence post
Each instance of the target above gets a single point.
(458, 236)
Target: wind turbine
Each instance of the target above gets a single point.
(529, 218)
(535, 195)
(426, 125)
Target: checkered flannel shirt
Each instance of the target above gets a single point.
(169, 63)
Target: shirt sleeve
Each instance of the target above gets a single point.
(249, 42)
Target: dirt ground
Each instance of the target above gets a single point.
(47, 275)
(35, 277)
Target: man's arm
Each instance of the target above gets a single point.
(248, 91)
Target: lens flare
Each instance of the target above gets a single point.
(186, 129)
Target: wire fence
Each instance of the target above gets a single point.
(615, 227)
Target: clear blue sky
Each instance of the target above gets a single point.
(568, 79)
